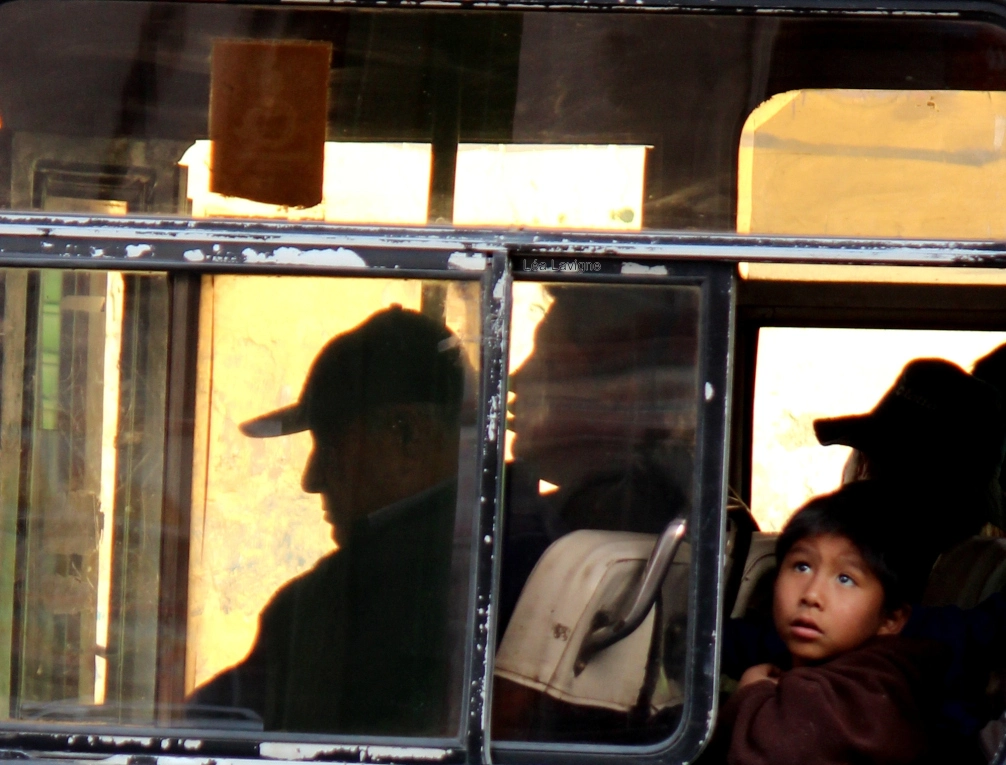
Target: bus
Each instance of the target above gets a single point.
(409, 382)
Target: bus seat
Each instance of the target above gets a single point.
(580, 575)
(968, 573)
(760, 564)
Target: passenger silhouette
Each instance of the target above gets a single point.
(604, 422)
(604, 411)
(991, 368)
(359, 642)
(938, 435)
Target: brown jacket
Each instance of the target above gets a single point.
(870, 705)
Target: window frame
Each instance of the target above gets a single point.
(706, 521)
(104, 245)
(34, 241)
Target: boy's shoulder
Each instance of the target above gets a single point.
(868, 703)
(914, 659)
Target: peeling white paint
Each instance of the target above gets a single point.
(125, 741)
(192, 744)
(498, 290)
(194, 256)
(97, 252)
(639, 268)
(275, 750)
(341, 256)
(467, 261)
(138, 250)
(262, 235)
(492, 418)
(372, 753)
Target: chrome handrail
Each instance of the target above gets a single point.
(609, 630)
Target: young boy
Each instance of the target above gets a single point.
(856, 692)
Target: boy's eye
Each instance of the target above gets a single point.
(846, 580)
(801, 566)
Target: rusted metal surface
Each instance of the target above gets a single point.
(150, 244)
(497, 285)
(174, 750)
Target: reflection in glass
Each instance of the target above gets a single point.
(604, 420)
(876, 163)
(100, 101)
(363, 183)
(285, 632)
(329, 568)
(81, 459)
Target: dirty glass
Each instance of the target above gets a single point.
(601, 434)
(918, 164)
(332, 440)
(81, 486)
(407, 117)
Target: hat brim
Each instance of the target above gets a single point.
(857, 431)
(281, 422)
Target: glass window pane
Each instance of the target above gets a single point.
(329, 573)
(329, 535)
(805, 373)
(603, 402)
(82, 407)
(879, 163)
(380, 116)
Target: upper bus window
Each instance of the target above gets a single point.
(329, 533)
(503, 118)
(878, 163)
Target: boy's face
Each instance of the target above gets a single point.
(828, 601)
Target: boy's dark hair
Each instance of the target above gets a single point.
(872, 515)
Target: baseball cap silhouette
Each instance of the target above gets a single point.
(396, 356)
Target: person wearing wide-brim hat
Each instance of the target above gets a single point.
(358, 644)
(938, 435)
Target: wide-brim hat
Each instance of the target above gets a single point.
(937, 422)
(396, 356)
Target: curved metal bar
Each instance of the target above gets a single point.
(609, 631)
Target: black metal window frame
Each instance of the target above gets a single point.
(706, 519)
(189, 248)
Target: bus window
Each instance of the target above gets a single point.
(876, 163)
(805, 373)
(829, 341)
(329, 566)
(84, 387)
(209, 111)
(261, 532)
(602, 428)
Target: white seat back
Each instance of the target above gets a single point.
(580, 575)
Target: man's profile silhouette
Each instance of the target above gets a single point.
(358, 644)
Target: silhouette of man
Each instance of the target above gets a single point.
(358, 643)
